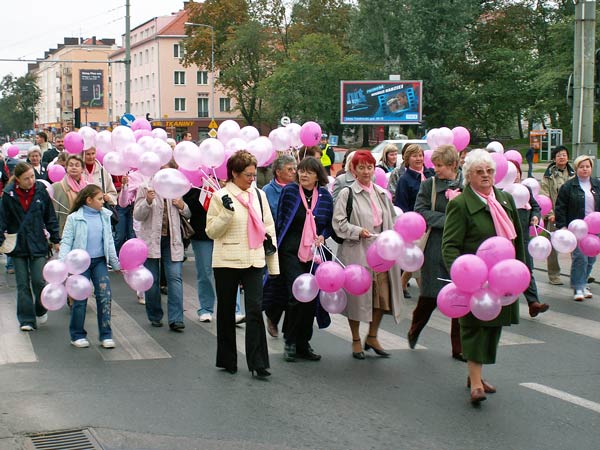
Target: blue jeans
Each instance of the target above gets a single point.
(9, 263)
(204, 275)
(581, 267)
(154, 309)
(98, 274)
(28, 275)
(124, 229)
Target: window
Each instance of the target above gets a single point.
(177, 51)
(202, 107)
(134, 60)
(179, 104)
(224, 104)
(147, 81)
(202, 77)
(179, 77)
(146, 57)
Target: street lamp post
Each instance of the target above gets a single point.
(212, 64)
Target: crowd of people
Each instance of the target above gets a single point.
(261, 238)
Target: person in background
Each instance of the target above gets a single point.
(462, 155)
(397, 173)
(26, 209)
(171, 142)
(306, 152)
(284, 168)
(389, 156)
(88, 227)
(343, 169)
(529, 157)
(557, 173)
(345, 179)
(41, 140)
(51, 153)
(94, 173)
(34, 158)
(327, 154)
(577, 198)
(66, 190)
(187, 136)
(124, 209)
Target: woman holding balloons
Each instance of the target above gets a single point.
(88, 228)
(372, 213)
(577, 198)
(304, 221)
(432, 199)
(66, 190)
(26, 209)
(480, 212)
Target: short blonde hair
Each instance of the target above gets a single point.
(411, 150)
(581, 159)
(446, 155)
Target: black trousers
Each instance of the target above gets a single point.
(226, 284)
(531, 293)
(422, 313)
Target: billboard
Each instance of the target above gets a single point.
(91, 88)
(380, 102)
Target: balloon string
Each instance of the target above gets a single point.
(547, 231)
(445, 279)
(333, 255)
(210, 181)
(313, 259)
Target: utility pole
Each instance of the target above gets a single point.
(583, 79)
(127, 58)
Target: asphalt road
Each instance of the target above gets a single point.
(160, 390)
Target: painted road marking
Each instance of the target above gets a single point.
(567, 322)
(565, 396)
(15, 345)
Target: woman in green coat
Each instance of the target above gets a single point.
(481, 212)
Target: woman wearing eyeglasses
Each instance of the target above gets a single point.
(239, 221)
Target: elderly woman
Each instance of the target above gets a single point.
(239, 222)
(160, 228)
(577, 198)
(284, 171)
(304, 220)
(480, 212)
(372, 213)
(66, 190)
(94, 173)
(432, 199)
(34, 158)
(389, 157)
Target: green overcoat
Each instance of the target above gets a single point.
(468, 224)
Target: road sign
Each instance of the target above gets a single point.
(285, 121)
(127, 119)
(212, 133)
(213, 124)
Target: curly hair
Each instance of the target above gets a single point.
(239, 161)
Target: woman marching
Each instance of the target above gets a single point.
(88, 227)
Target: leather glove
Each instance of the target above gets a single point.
(227, 202)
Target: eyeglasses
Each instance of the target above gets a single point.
(482, 172)
(249, 175)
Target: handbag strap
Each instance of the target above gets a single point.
(102, 178)
(433, 194)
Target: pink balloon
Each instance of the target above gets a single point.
(411, 258)
(452, 302)
(539, 248)
(54, 296)
(195, 176)
(12, 151)
(533, 231)
(149, 164)
(357, 279)
(139, 279)
(113, 163)
(514, 156)
(221, 171)
(133, 254)
(501, 166)
(49, 188)
(376, 262)
(310, 134)
(249, 133)
(590, 245)
(389, 245)
(330, 276)
(427, 159)
(469, 273)
(305, 288)
(73, 142)
(593, 222)
(579, 228)
(496, 249)
(55, 271)
(212, 152)
(545, 203)
(78, 287)
(141, 124)
(410, 226)
(462, 137)
(56, 172)
(77, 261)
(131, 155)
(380, 178)
(509, 278)
(333, 302)
(485, 305)
(269, 161)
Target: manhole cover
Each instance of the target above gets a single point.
(63, 440)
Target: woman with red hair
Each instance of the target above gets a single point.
(372, 213)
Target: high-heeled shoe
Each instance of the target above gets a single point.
(358, 355)
(261, 374)
(477, 396)
(487, 387)
(381, 352)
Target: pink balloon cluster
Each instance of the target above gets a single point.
(61, 284)
(485, 282)
(457, 136)
(132, 256)
(586, 231)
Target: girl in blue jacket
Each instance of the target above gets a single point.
(88, 227)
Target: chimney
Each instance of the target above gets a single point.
(93, 40)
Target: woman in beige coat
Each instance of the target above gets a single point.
(372, 213)
(239, 221)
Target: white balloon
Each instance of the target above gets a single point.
(228, 130)
(89, 137)
(160, 133)
(564, 241)
(131, 154)
(445, 136)
(509, 178)
(495, 146)
(170, 183)
(280, 139)
(539, 248)
(532, 184)
(389, 245)
(262, 148)
(114, 164)
(411, 259)
(519, 193)
(149, 164)
(579, 228)
(234, 145)
(163, 150)
(121, 136)
(212, 152)
(147, 142)
(187, 155)
(249, 133)
(293, 131)
(103, 142)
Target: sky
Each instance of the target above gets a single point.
(31, 27)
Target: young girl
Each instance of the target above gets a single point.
(88, 227)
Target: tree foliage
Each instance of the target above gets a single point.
(20, 95)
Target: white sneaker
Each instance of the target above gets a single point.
(206, 317)
(81, 343)
(240, 318)
(108, 343)
(587, 293)
(42, 319)
(140, 298)
(579, 295)
(27, 327)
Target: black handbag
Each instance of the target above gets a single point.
(268, 246)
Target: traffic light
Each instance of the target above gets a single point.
(77, 119)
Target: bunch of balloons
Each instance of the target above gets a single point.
(457, 136)
(399, 246)
(132, 256)
(60, 283)
(485, 282)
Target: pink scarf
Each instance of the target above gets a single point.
(502, 223)
(377, 213)
(74, 185)
(309, 232)
(452, 193)
(256, 227)
(422, 172)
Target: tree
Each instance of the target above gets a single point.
(20, 95)
(329, 17)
